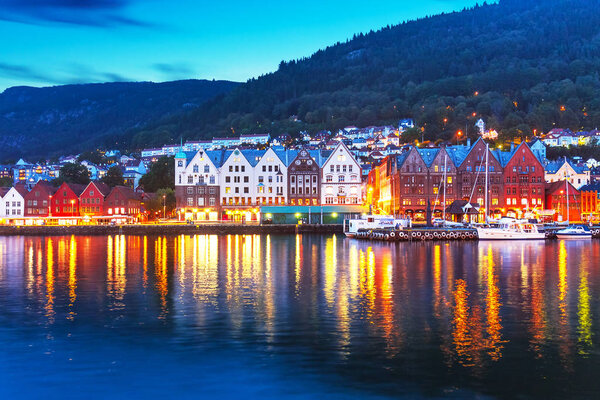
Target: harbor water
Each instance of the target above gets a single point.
(297, 316)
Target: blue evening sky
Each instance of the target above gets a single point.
(50, 42)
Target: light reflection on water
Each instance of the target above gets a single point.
(351, 318)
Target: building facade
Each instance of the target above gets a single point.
(37, 201)
(341, 178)
(304, 179)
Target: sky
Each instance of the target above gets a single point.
(54, 42)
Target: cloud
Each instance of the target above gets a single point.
(75, 73)
(99, 13)
(175, 70)
(22, 72)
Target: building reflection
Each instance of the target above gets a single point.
(461, 299)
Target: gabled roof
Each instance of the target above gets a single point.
(20, 187)
(253, 156)
(554, 187)
(76, 188)
(103, 188)
(593, 187)
(126, 192)
(553, 166)
(458, 153)
(428, 155)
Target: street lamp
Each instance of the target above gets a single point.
(164, 206)
(72, 208)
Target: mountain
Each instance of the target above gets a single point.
(521, 65)
(40, 122)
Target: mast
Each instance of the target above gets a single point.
(567, 191)
(445, 169)
(486, 180)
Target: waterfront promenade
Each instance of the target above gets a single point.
(166, 229)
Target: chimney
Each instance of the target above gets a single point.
(512, 146)
(468, 142)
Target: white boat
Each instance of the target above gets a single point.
(574, 232)
(510, 229)
(372, 222)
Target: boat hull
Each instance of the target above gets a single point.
(501, 234)
(573, 236)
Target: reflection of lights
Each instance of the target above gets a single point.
(460, 333)
(493, 304)
(72, 275)
(584, 329)
(562, 281)
(50, 281)
(437, 279)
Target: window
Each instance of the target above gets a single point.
(211, 201)
(206, 169)
(341, 178)
(246, 179)
(195, 169)
(190, 179)
(190, 190)
(190, 201)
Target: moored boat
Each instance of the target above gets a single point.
(510, 229)
(373, 222)
(574, 232)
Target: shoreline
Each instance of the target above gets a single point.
(179, 229)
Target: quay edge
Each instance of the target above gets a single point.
(202, 229)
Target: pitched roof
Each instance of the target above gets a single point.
(458, 153)
(428, 155)
(557, 186)
(76, 188)
(102, 187)
(20, 187)
(127, 192)
(592, 187)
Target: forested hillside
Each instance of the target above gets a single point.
(522, 65)
(41, 122)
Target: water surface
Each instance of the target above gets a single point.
(306, 316)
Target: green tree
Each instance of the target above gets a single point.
(6, 181)
(73, 173)
(113, 177)
(93, 156)
(161, 175)
(155, 205)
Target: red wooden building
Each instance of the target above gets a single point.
(92, 198)
(556, 200)
(524, 183)
(123, 200)
(37, 200)
(65, 202)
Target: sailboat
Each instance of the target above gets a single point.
(576, 231)
(506, 228)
